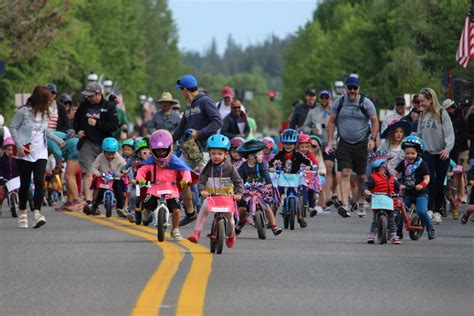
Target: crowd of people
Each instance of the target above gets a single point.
(424, 150)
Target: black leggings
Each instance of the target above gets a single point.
(438, 170)
(25, 168)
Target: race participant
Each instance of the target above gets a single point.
(8, 167)
(254, 170)
(289, 160)
(69, 154)
(414, 178)
(218, 177)
(128, 150)
(316, 150)
(436, 130)
(268, 151)
(470, 208)
(166, 172)
(203, 120)
(109, 161)
(165, 118)
(300, 112)
(304, 147)
(234, 156)
(95, 120)
(396, 114)
(235, 124)
(395, 132)
(380, 181)
(351, 114)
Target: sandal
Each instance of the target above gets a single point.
(23, 221)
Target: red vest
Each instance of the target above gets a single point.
(383, 184)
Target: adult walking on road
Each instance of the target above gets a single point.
(436, 130)
(224, 105)
(235, 124)
(95, 119)
(165, 118)
(352, 113)
(300, 112)
(29, 129)
(202, 119)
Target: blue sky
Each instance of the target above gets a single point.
(249, 21)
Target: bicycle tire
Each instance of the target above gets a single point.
(382, 229)
(286, 221)
(292, 213)
(220, 236)
(108, 205)
(212, 239)
(260, 224)
(416, 234)
(160, 225)
(138, 217)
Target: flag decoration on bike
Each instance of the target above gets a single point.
(466, 43)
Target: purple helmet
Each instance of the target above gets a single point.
(161, 139)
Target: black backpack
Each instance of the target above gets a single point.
(361, 106)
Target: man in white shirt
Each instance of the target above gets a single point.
(223, 105)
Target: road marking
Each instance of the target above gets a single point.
(152, 296)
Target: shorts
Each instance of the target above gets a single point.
(87, 154)
(352, 156)
(331, 156)
(151, 203)
(70, 151)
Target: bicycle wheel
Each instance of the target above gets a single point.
(14, 204)
(286, 221)
(108, 205)
(416, 234)
(160, 226)
(212, 237)
(260, 224)
(292, 213)
(220, 236)
(382, 229)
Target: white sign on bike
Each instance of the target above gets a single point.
(382, 202)
(104, 186)
(219, 209)
(13, 184)
(163, 192)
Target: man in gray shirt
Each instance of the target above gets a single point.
(351, 114)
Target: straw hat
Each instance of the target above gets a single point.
(167, 97)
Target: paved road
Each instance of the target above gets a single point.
(76, 266)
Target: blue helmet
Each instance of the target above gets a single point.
(413, 142)
(289, 136)
(218, 141)
(110, 145)
(378, 158)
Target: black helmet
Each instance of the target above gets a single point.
(251, 147)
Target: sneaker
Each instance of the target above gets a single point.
(277, 231)
(465, 218)
(430, 214)
(342, 210)
(238, 228)
(331, 201)
(146, 217)
(74, 206)
(443, 212)
(87, 209)
(371, 238)
(361, 210)
(437, 218)
(455, 213)
(63, 207)
(127, 215)
(302, 223)
(194, 237)
(313, 212)
(187, 219)
(395, 240)
(230, 241)
(176, 235)
(23, 220)
(400, 235)
(354, 207)
(95, 210)
(431, 234)
(38, 220)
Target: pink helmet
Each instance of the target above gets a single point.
(8, 141)
(161, 139)
(269, 142)
(304, 139)
(236, 142)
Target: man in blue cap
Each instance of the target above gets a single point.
(200, 120)
(351, 114)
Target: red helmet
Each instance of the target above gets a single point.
(269, 142)
(236, 142)
(304, 139)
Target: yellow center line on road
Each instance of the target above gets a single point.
(193, 293)
(152, 296)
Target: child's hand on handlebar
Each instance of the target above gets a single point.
(237, 197)
(204, 194)
(183, 183)
(141, 182)
(419, 187)
(367, 193)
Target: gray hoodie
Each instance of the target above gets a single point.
(436, 135)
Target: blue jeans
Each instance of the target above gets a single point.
(421, 204)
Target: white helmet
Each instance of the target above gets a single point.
(92, 77)
(150, 100)
(108, 83)
(142, 97)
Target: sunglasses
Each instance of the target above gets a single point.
(426, 93)
(67, 102)
(236, 108)
(324, 97)
(352, 88)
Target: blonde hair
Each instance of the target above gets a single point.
(430, 94)
(391, 136)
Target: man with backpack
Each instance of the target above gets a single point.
(224, 105)
(351, 114)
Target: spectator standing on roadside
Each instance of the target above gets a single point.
(300, 112)
(235, 124)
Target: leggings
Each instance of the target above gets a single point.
(118, 193)
(25, 168)
(204, 213)
(438, 170)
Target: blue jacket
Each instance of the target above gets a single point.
(203, 116)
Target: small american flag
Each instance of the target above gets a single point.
(466, 43)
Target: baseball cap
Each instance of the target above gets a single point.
(52, 87)
(352, 81)
(399, 99)
(447, 104)
(324, 92)
(310, 91)
(92, 88)
(227, 92)
(187, 81)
